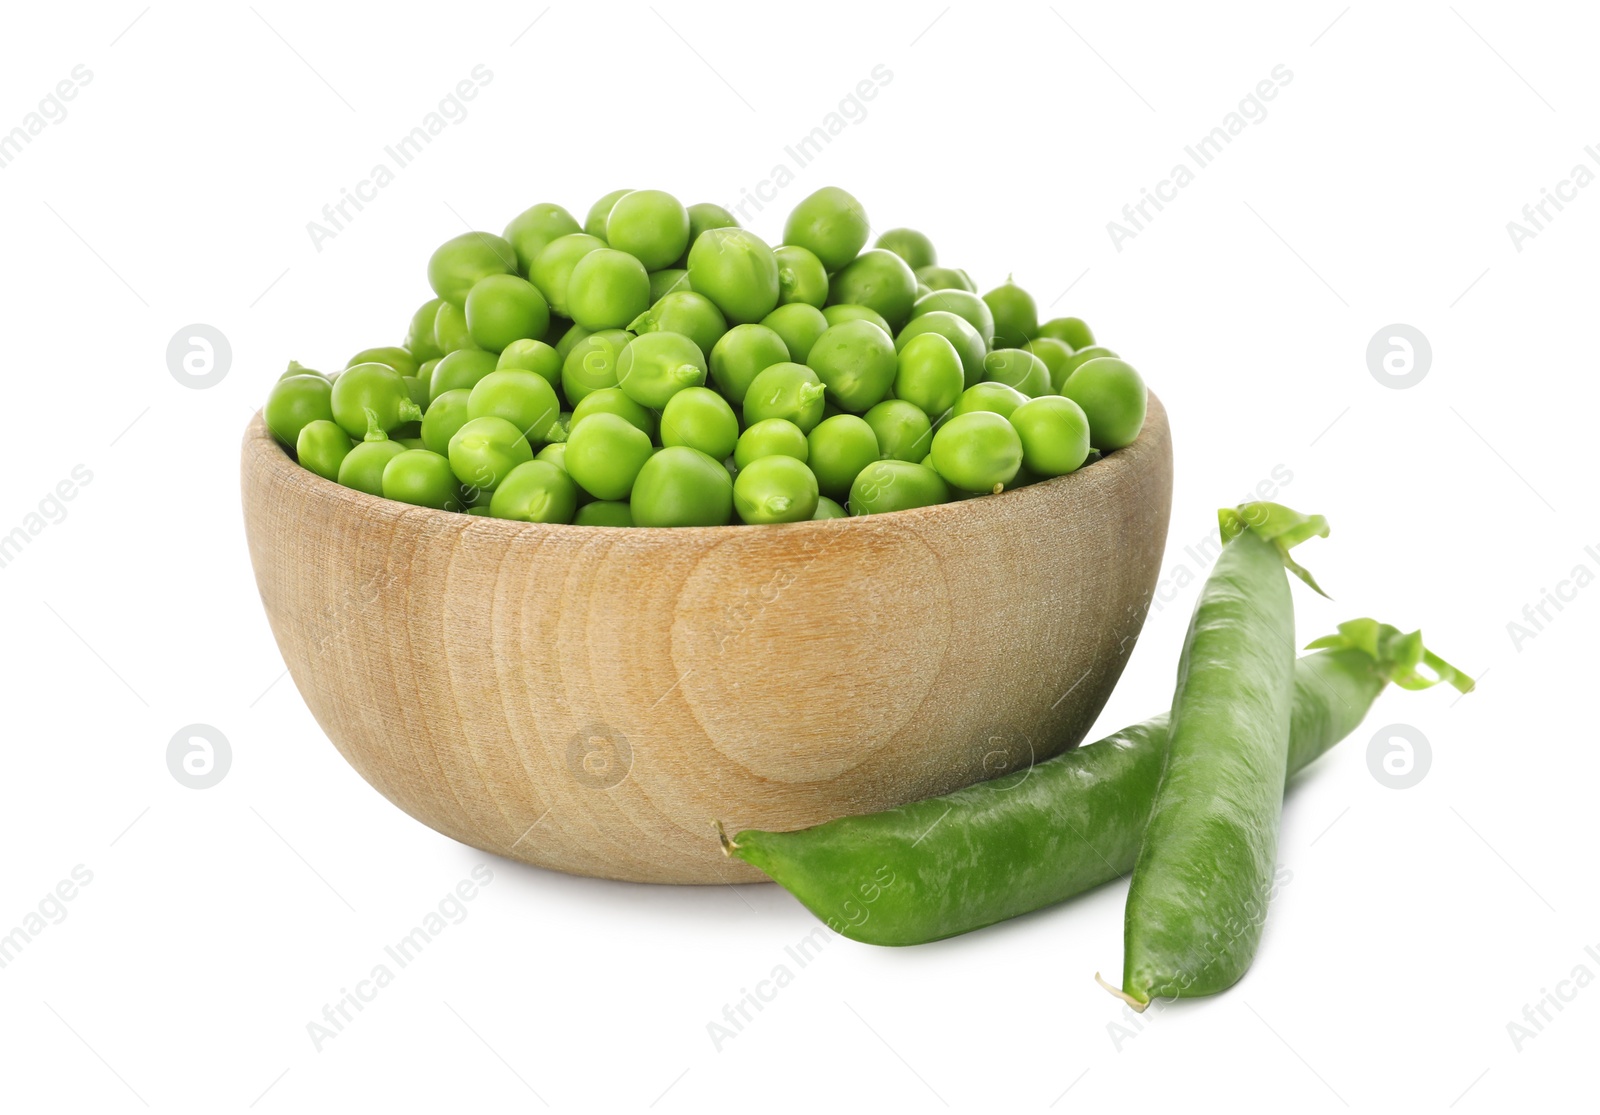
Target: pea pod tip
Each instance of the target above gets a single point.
(1121, 994)
(729, 845)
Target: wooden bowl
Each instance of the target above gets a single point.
(589, 698)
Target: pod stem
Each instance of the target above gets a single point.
(375, 430)
(1282, 526)
(729, 845)
(1397, 656)
(1121, 994)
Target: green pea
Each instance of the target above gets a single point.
(561, 427)
(801, 276)
(1073, 331)
(1016, 318)
(656, 366)
(410, 442)
(484, 450)
(528, 355)
(959, 332)
(903, 431)
(365, 397)
(605, 453)
(397, 358)
(701, 419)
(532, 230)
(1019, 368)
(569, 339)
(322, 446)
(446, 414)
(994, 398)
(910, 245)
(296, 368)
(684, 311)
(1054, 353)
(663, 283)
(827, 509)
(799, 324)
(458, 263)
(535, 492)
(612, 400)
(1076, 361)
(742, 353)
(896, 486)
(420, 477)
(775, 490)
(462, 368)
(1113, 396)
(682, 487)
(552, 268)
(555, 452)
(830, 224)
(856, 362)
(1055, 435)
(962, 303)
(929, 374)
(296, 401)
(417, 389)
(838, 449)
(736, 270)
(704, 215)
(502, 309)
(607, 290)
(838, 315)
(525, 400)
(592, 363)
(977, 452)
(419, 334)
(604, 513)
(650, 225)
(595, 222)
(771, 437)
(362, 467)
(450, 330)
(879, 280)
(789, 391)
(945, 278)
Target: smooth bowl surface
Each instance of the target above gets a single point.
(589, 699)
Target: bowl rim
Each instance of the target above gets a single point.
(262, 449)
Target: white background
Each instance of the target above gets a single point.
(1377, 190)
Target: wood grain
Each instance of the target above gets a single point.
(588, 699)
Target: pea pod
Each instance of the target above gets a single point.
(1012, 845)
(1198, 899)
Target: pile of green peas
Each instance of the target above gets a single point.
(658, 365)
